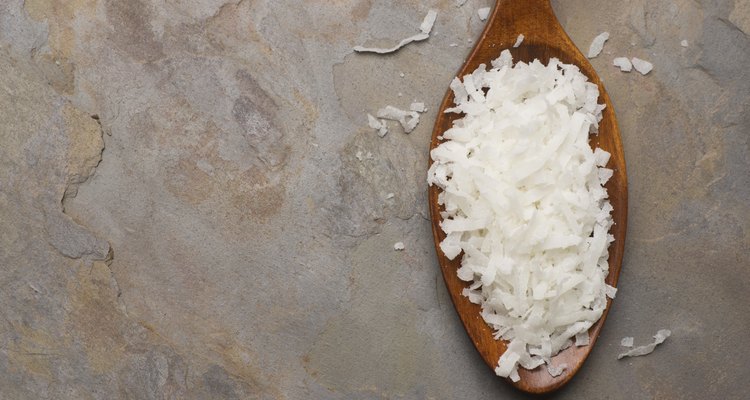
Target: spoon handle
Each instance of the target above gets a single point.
(513, 17)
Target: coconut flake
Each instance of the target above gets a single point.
(582, 339)
(598, 44)
(483, 13)
(399, 246)
(408, 119)
(519, 40)
(425, 28)
(417, 107)
(390, 196)
(642, 66)
(524, 204)
(610, 291)
(375, 123)
(428, 22)
(684, 43)
(556, 371)
(627, 341)
(623, 63)
(659, 338)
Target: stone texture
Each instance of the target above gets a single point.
(186, 216)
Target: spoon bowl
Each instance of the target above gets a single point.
(544, 39)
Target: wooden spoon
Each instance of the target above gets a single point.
(544, 39)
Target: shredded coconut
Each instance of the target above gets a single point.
(519, 40)
(623, 63)
(659, 338)
(582, 339)
(642, 66)
(598, 44)
(684, 43)
(627, 341)
(417, 107)
(524, 203)
(399, 246)
(556, 371)
(425, 29)
(483, 13)
(375, 123)
(408, 119)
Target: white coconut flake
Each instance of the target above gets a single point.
(582, 339)
(417, 107)
(684, 43)
(556, 371)
(659, 338)
(598, 44)
(519, 40)
(390, 196)
(642, 66)
(610, 291)
(425, 29)
(399, 246)
(483, 13)
(381, 126)
(408, 119)
(623, 63)
(524, 204)
(627, 341)
(428, 22)
(453, 45)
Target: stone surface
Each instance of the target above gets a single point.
(185, 215)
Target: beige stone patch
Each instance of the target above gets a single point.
(740, 15)
(96, 316)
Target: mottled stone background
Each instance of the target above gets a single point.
(184, 214)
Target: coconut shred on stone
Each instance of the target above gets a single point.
(525, 207)
(597, 44)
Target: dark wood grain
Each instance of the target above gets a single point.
(544, 39)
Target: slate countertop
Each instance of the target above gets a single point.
(193, 206)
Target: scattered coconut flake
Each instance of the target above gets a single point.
(401, 74)
(399, 246)
(400, 94)
(390, 196)
(521, 187)
(610, 291)
(408, 119)
(598, 44)
(428, 22)
(582, 339)
(684, 43)
(623, 63)
(659, 338)
(556, 371)
(642, 66)
(483, 13)
(519, 40)
(417, 107)
(453, 45)
(627, 341)
(375, 123)
(425, 28)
